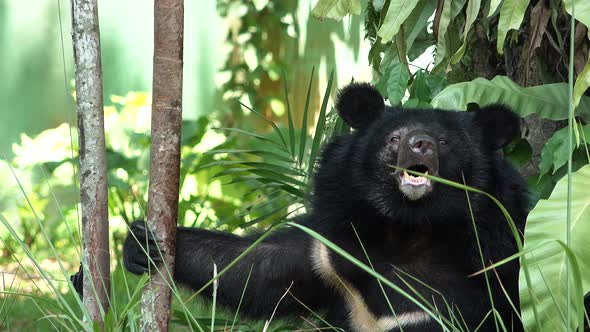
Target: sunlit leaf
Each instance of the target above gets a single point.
(336, 9)
(511, 15)
(397, 13)
(582, 82)
(582, 11)
(546, 231)
(494, 6)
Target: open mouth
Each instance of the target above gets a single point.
(415, 180)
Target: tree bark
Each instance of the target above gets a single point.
(165, 157)
(93, 179)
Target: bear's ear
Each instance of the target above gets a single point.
(498, 124)
(359, 104)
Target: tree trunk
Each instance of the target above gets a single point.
(93, 179)
(165, 157)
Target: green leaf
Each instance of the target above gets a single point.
(582, 82)
(289, 117)
(261, 153)
(511, 15)
(555, 151)
(519, 153)
(426, 85)
(472, 11)
(336, 9)
(393, 82)
(320, 125)
(549, 101)
(417, 22)
(251, 134)
(494, 6)
(397, 13)
(582, 11)
(272, 124)
(303, 137)
(443, 25)
(545, 233)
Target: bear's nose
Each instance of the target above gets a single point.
(422, 144)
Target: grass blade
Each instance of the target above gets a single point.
(289, 117)
(319, 129)
(303, 137)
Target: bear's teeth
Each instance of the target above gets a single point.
(414, 179)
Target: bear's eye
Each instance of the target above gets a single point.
(395, 138)
(442, 141)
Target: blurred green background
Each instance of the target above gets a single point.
(35, 88)
(37, 70)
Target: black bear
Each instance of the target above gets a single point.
(414, 231)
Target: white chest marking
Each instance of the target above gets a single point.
(360, 317)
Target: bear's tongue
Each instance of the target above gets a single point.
(414, 180)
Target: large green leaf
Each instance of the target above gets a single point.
(397, 13)
(511, 15)
(555, 152)
(582, 11)
(545, 234)
(549, 101)
(336, 9)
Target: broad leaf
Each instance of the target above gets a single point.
(336, 9)
(397, 13)
(581, 11)
(549, 101)
(494, 4)
(545, 235)
(511, 15)
(393, 83)
(555, 152)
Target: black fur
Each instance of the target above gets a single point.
(356, 189)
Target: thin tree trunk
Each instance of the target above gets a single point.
(93, 170)
(165, 157)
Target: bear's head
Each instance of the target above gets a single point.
(458, 146)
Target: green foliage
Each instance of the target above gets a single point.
(393, 83)
(397, 13)
(336, 9)
(582, 83)
(282, 170)
(471, 13)
(263, 37)
(548, 101)
(555, 153)
(511, 16)
(545, 235)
